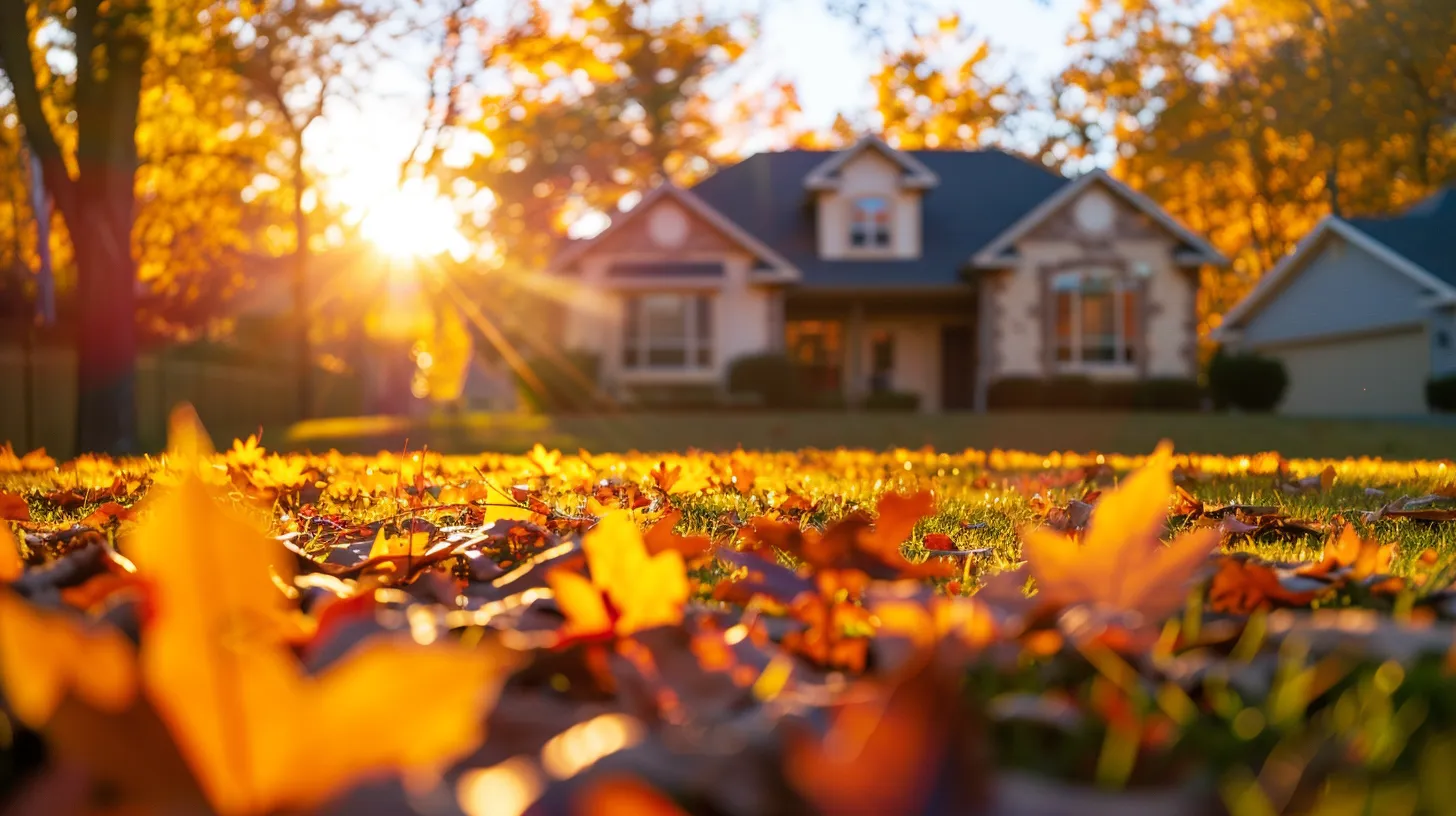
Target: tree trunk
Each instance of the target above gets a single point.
(301, 312)
(106, 342)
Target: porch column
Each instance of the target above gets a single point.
(777, 323)
(854, 332)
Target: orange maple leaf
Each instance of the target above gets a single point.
(1122, 565)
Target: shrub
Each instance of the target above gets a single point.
(568, 383)
(774, 378)
(1248, 382)
(1441, 393)
(1084, 394)
(1072, 392)
(892, 401)
(1013, 393)
(1169, 394)
(677, 397)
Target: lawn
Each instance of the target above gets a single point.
(815, 631)
(1229, 434)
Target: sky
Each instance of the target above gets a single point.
(360, 148)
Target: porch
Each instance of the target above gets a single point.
(857, 345)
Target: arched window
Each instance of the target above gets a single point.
(1096, 317)
(870, 223)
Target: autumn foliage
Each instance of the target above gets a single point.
(285, 633)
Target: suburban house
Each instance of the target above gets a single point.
(932, 272)
(1362, 313)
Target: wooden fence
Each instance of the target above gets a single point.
(233, 399)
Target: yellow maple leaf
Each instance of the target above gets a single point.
(644, 591)
(10, 564)
(259, 733)
(1122, 564)
(47, 654)
(414, 545)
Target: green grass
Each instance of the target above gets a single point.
(1201, 433)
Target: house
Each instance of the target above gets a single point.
(932, 272)
(1362, 313)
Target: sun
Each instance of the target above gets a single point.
(414, 223)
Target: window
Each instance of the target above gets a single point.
(818, 346)
(882, 361)
(668, 330)
(870, 223)
(1096, 319)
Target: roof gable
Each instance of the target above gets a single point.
(1421, 235)
(914, 174)
(723, 233)
(1196, 250)
(764, 194)
(1331, 229)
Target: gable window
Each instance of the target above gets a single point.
(668, 330)
(1095, 316)
(870, 223)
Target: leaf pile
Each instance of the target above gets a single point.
(816, 632)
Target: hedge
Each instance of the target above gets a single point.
(1441, 393)
(1083, 393)
(892, 401)
(1248, 382)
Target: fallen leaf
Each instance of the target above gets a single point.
(46, 655)
(661, 538)
(644, 591)
(1122, 564)
(1242, 586)
(217, 667)
(13, 508)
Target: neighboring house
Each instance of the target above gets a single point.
(1362, 313)
(933, 272)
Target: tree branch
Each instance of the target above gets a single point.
(16, 60)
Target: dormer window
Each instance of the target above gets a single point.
(870, 223)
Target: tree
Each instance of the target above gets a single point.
(93, 189)
(944, 91)
(296, 58)
(1253, 122)
(624, 97)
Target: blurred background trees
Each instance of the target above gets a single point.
(188, 145)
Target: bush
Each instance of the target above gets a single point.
(1084, 394)
(1072, 392)
(774, 378)
(568, 383)
(1013, 393)
(677, 397)
(1169, 394)
(892, 401)
(1248, 382)
(1441, 393)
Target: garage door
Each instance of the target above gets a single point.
(1383, 375)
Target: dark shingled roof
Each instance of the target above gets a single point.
(981, 193)
(1425, 234)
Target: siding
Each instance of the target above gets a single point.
(1377, 375)
(1342, 289)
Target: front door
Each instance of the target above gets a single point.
(957, 367)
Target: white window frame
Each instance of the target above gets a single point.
(692, 345)
(1120, 287)
(855, 223)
